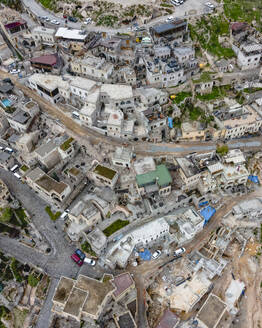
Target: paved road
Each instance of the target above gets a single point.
(140, 148)
(58, 263)
(181, 11)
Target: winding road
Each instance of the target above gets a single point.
(56, 264)
(181, 11)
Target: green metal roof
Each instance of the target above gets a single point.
(161, 175)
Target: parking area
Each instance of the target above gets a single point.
(193, 7)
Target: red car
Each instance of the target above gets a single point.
(77, 259)
(64, 16)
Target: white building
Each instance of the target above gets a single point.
(103, 175)
(83, 217)
(89, 113)
(81, 87)
(163, 76)
(190, 223)
(92, 67)
(48, 188)
(145, 235)
(248, 209)
(184, 54)
(48, 86)
(239, 120)
(43, 35)
(118, 96)
(115, 123)
(150, 96)
(69, 34)
(21, 119)
(122, 157)
(249, 55)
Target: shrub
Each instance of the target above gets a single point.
(222, 150)
(53, 216)
(32, 280)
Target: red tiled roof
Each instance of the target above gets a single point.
(46, 59)
(15, 24)
(168, 320)
(122, 283)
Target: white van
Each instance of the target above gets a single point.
(15, 167)
(9, 150)
(179, 251)
(75, 115)
(64, 215)
(90, 261)
(17, 176)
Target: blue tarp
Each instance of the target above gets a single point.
(253, 178)
(203, 203)
(146, 255)
(170, 122)
(207, 213)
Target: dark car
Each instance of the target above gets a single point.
(72, 19)
(80, 254)
(77, 259)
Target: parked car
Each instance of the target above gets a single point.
(64, 215)
(169, 19)
(88, 21)
(47, 19)
(179, 251)
(15, 71)
(156, 254)
(80, 254)
(64, 16)
(209, 5)
(90, 261)
(175, 2)
(76, 259)
(72, 19)
(54, 21)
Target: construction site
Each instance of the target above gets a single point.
(217, 285)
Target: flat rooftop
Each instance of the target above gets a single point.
(105, 172)
(212, 311)
(117, 91)
(97, 291)
(63, 290)
(82, 83)
(97, 238)
(122, 154)
(187, 167)
(43, 30)
(75, 302)
(161, 176)
(169, 27)
(49, 184)
(122, 283)
(71, 34)
(168, 320)
(126, 321)
(48, 81)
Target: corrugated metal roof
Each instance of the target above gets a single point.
(161, 175)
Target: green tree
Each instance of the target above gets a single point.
(6, 215)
